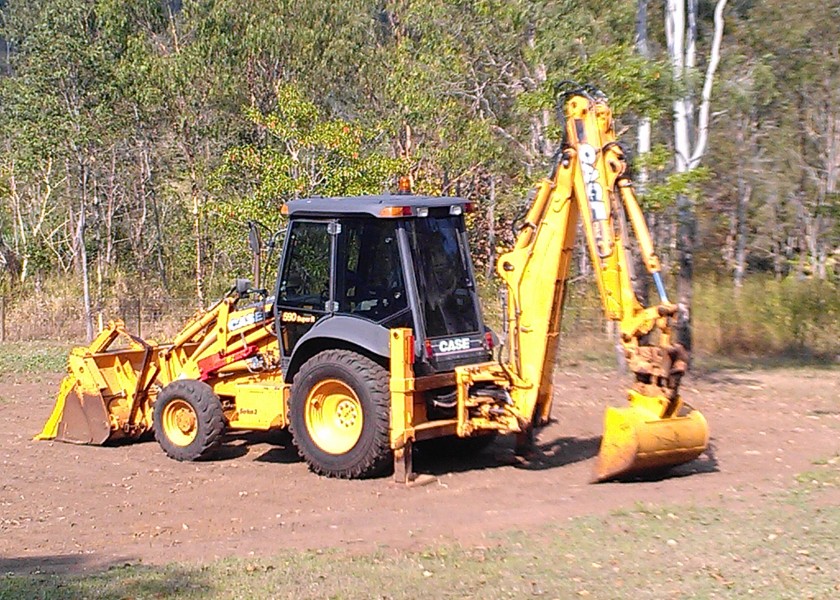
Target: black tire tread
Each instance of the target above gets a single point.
(211, 419)
(378, 458)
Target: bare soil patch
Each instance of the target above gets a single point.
(74, 508)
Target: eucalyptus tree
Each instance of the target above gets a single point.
(799, 41)
(60, 123)
(691, 121)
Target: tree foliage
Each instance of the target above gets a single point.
(167, 125)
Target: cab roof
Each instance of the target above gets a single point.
(367, 205)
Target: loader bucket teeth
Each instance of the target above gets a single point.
(78, 417)
(638, 440)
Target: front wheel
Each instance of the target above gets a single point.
(340, 415)
(188, 420)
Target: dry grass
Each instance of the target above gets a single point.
(787, 320)
(55, 313)
(768, 318)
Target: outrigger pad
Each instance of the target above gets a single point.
(84, 419)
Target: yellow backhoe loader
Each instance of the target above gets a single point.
(372, 338)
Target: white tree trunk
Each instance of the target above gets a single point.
(708, 82)
(675, 36)
(491, 229)
(682, 54)
(643, 145)
(680, 34)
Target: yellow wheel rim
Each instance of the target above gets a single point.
(179, 422)
(333, 416)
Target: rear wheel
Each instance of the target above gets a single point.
(188, 420)
(340, 415)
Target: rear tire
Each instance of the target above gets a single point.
(340, 415)
(188, 420)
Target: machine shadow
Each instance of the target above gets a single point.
(551, 454)
(560, 452)
(727, 377)
(237, 444)
(546, 455)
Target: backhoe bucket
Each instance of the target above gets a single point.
(78, 417)
(639, 438)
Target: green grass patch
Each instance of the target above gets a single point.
(825, 474)
(773, 549)
(33, 357)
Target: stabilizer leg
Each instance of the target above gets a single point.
(403, 463)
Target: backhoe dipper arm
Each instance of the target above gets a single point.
(589, 181)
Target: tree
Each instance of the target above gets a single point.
(297, 152)
(691, 131)
(807, 110)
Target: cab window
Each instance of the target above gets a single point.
(444, 281)
(369, 276)
(305, 282)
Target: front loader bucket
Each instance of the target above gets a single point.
(105, 395)
(78, 417)
(639, 439)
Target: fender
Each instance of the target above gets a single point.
(351, 330)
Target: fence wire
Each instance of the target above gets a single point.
(162, 319)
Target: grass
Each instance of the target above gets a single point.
(826, 474)
(33, 357)
(782, 547)
(702, 362)
(792, 317)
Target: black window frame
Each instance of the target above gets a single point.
(332, 228)
(418, 306)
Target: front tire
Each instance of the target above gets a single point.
(340, 415)
(188, 420)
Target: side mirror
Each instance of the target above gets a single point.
(254, 238)
(243, 286)
(256, 247)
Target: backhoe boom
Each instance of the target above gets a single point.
(590, 182)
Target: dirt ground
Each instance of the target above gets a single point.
(75, 508)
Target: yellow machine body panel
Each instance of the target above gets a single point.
(259, 403)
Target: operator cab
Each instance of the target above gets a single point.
(355, 267)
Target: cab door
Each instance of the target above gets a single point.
(304, 288)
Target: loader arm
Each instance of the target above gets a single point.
(112, 384)
(590, 184)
